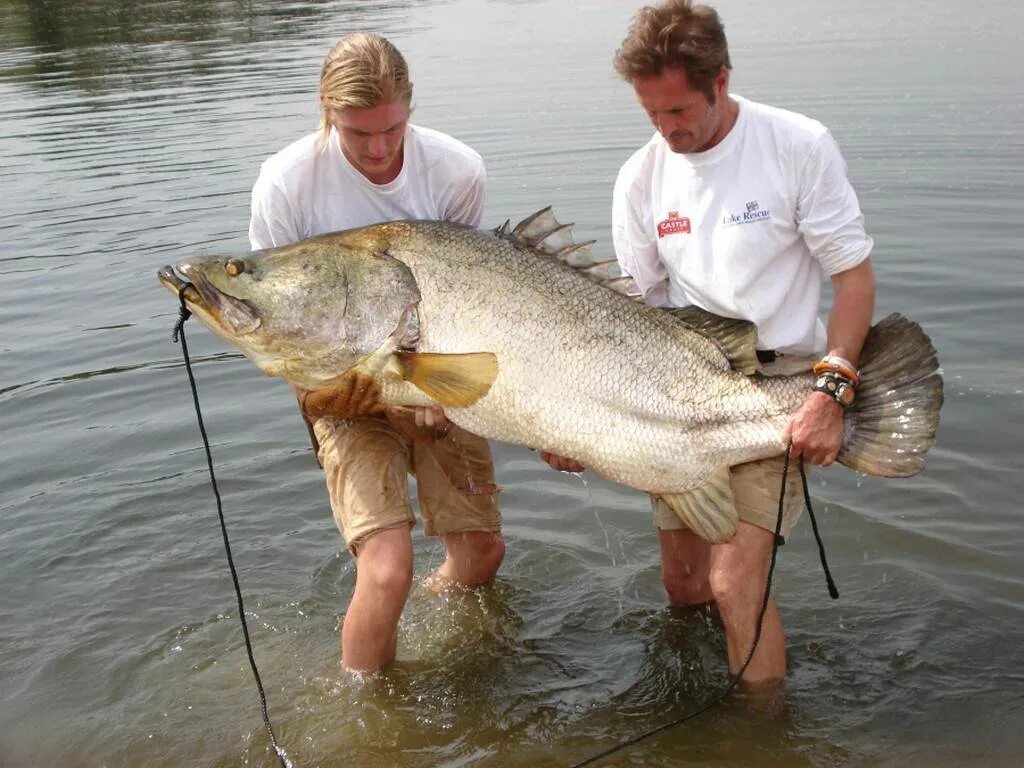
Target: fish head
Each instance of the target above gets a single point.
(308, 311)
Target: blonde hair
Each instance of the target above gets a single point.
(362, 70)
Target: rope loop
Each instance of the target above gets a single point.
(184, 313)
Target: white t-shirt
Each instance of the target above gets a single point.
(303, 191)
(747, 229)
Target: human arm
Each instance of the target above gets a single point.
(354, 395)
(636, 246)
(816, 428)
(357, 395)
(831, 224)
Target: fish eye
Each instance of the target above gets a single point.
(234, 267)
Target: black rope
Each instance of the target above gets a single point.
(832, 591)
(179, 332)
(777, 540)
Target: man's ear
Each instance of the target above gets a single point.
(722, 82)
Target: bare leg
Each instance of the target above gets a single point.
(685, 566)
(473, 557)
(739, 570)
(369, 633)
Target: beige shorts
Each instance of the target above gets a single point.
(755, 489)
(367, 461)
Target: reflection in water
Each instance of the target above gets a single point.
(104, 45)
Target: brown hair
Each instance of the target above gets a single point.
(362, 70)
(675, 34)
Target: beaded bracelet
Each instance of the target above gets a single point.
(839, 365)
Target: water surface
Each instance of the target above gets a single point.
(131, 133)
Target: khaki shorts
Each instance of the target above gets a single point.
(755, 489)
(367, 461)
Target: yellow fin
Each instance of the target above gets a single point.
(454, 381)
(709, 511)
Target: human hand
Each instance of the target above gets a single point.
(561, 463)
(354, 395)
(816, 430)
(424, 424)
(431, 417)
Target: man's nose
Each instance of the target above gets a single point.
(665, 124)
(378, 145)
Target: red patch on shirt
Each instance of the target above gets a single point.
(673, 225)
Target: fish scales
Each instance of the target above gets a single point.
(521, 347)
(639, 398)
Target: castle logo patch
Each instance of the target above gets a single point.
(673, 225)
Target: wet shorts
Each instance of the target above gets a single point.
(755, 489)
(367, 461)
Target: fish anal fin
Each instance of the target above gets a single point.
(454, 381)
(708, 510)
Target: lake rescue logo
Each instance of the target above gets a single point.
(673, 225)
(753, 213)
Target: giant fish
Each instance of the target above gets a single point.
(522, 338)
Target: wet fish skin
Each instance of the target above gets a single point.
(299, 311)
(628, 390)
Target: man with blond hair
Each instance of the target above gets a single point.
(369, 164)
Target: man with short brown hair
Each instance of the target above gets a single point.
(741, 209)
(768, 213)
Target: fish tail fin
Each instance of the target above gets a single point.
(895, 416)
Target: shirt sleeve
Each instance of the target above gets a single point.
(468, 207)
(828, 214)
(632, 236)
(271, 221)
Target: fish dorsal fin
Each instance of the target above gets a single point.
(625, 285)
(602, 271)
(536, 227)
(542, 233)
(737, 339)
(709, 510)
(454, 381)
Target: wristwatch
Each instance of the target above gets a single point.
(836, 386)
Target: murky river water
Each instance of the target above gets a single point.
(130, 135)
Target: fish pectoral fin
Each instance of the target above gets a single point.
(709, 510)
(454, 381)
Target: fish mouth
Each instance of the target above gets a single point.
(172, 282)
(217, 309)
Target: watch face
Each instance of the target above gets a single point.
(845, 394)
